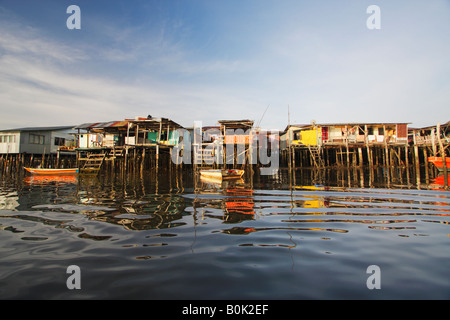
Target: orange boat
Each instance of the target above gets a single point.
(52, 171)
(437, 161)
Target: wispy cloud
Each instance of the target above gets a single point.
(44, 82)
(320, 61)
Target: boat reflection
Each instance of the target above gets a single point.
(438, 183)
(46, 179)
(233, 198)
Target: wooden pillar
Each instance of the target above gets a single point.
(58, 158)
(391, 156)
(406, 156)
(425, 157)
(407, 163)
(143, 161)
(366, 138)
(293, 166)
(157, 158)
(416, 157)
(360, 156)
(346, 145)
(224, 147)
(433, 142)
(355, 161)
(442, 151)
(337, 157)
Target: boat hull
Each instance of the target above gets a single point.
(52, 171)
(437, 161)
(222, 174)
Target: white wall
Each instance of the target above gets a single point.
(9, 142)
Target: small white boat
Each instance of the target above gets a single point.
(222, 173)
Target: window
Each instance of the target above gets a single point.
(60, 141)
(381, 131)
(370, 131)
(361, 131)
(36, 139)
(7, 139)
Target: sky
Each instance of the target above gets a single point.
(275, 62)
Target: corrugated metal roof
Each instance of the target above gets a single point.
(302, 126)
(85, 125)
(101, 125)
(54, 128)
(154, 123)
(236, 124)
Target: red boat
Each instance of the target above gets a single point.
(437, 161)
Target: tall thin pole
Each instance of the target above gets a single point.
(288, 143)
(444, 160)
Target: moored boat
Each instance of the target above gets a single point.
(222, 173)
(437, 161)
(45, 171)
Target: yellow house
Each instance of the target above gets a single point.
(344, 133)
(300, 135)
(309, 137)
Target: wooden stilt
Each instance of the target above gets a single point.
(360, 157)
(442, 151)
(425, 159)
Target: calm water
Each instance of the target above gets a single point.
(176, 238)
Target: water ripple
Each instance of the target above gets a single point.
(254, 241)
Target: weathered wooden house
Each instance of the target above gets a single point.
(336, 134)
(430, 141)
(151, 131)
(36, 140)
(129, 132)
(338, 143)
(236, 137)
(427, 136)
(127, 139)
(236, 131)
(101, 134)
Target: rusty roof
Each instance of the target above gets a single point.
(102, 125)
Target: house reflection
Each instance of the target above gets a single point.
(160, 203)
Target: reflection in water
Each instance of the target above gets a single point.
(50, 179)
(438, 183)
(261, 232)
(136, 204)
(144, 205)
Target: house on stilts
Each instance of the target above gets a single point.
(143, 139)
(344, 144)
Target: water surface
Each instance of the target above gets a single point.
(175, 237)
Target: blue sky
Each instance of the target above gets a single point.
(210, 60)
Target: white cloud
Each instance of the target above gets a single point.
(325, 72)
(38, 91)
